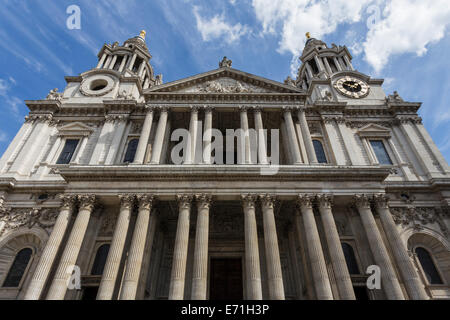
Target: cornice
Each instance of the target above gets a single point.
(199, 172)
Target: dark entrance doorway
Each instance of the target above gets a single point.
(226, 279)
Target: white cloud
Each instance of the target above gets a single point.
(296, 17)
(12, 101)
(3, 137)
(217, 27)
(407, 26)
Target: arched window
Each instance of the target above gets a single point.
(100, 260)
(320, 152)
(350, 258)
(428, 267)
(131, 150)
(18, 268)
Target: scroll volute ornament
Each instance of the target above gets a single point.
(381, 201)
(145, 201)
(361, 201)
(204, 201)
(325, 200)
(87, 202)
(248, 201)
(127, 201)
(305, 200)
(184, 201)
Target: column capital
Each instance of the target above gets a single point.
(127, 201)
(67, 201)
(184, 201)
(145, 201)
(204, 201)
(288, 109)
(381, 201)
(243, 108)
(248, 200)
(361, 201)
(305, 200)
(149, 108)
(208, 108)
(87, 201)
(257, 109)
(301, 108)
(325, 200)
(268, 200)
(194, 108)
(165, 109)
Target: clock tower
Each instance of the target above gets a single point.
(328, 74)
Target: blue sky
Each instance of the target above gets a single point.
(406, 42)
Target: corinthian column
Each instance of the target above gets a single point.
(253, 271)
(274, 274)
(144, 223)
(413, 284)
(307, 136)
(292, 136)
(207, 159)
(51, 248)
(262, 145)
(69, 257)
(109, 277)
(200, 272)
(317, 260)
(191, 145)
(159, 137)
(177, 278)
(388, 277)
(244, 126)
(145, 135)
(341, 273)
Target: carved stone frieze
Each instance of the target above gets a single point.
(225, 85)
(16, 218)
(419, 217)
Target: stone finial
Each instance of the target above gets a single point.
(225, 63)
(289, 81)
(54, 95)
(159, 80)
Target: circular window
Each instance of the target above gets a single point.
(98, 85)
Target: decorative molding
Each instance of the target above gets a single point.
(419, 217)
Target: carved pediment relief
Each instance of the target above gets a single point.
(374, 130)
(75, 129)
(224, 85)
(225, 81)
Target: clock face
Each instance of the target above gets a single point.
(352, 87)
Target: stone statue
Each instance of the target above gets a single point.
(125, 96)
(225, 63)
(395, 97)
(289, 81)
(159, 80)
(54, 95)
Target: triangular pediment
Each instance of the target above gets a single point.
(225, 81)
(75, 128)
(374, 130)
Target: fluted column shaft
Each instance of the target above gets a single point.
(51, 249)
(159, 137)
(414, 285)
(252, 266)
(144, 223)
(317, 260)
(343, 280)
(193, 126)
(145, 135)
(69, 257)
(262, 146)
(310, 151)
(292, 136)
(274, 273)
(207, 136)
(388, 277)
(200, 271)
(246, 140)
(109, 277)
(177, 278)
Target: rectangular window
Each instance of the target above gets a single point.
(320, 152)
(380, 151)
(118, 63)
(69, 149)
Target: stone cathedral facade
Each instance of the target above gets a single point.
(339, 177)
